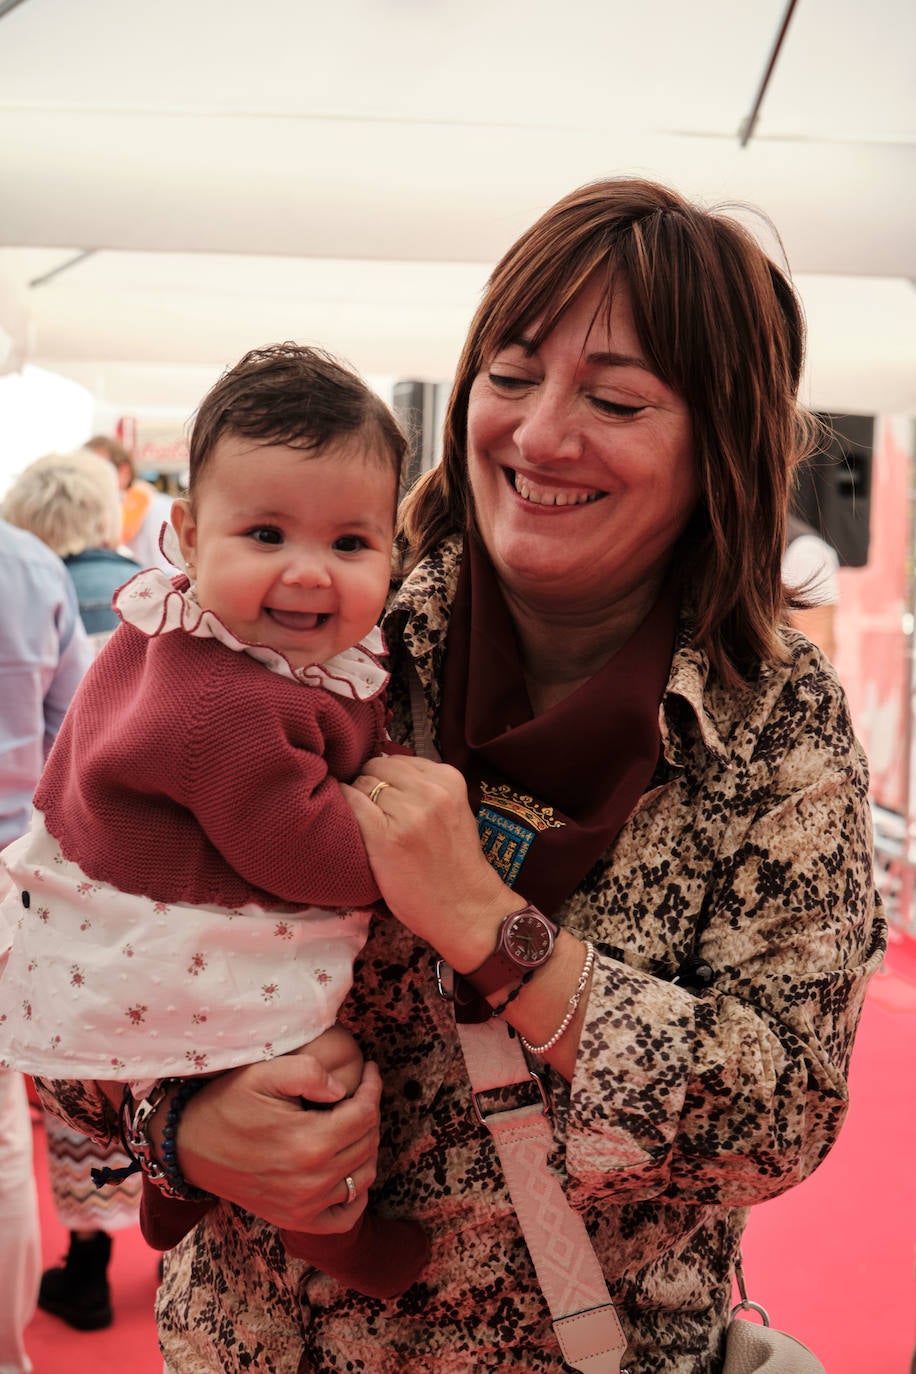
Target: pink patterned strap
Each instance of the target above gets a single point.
(584, 1318)
(591, 1341)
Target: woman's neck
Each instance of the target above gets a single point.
(560, 650)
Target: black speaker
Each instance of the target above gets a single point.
(833, 487)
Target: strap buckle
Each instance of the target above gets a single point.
(485, 1117)
(471, 1007)
(592, 1339)
(443, 969)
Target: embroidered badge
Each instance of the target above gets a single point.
(506, 839)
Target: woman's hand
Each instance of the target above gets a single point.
(422, 841)
(250, 1138)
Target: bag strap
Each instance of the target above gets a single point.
(584, 1318)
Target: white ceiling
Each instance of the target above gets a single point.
(348, 171)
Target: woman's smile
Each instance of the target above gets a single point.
(556, 496)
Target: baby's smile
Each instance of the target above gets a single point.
(297, 620)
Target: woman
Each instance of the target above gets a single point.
(592, 629)
(71, 501)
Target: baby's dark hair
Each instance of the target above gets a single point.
(294, 395)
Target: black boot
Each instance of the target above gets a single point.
(78, 1291)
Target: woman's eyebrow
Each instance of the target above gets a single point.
(602, 359)
(618, 360)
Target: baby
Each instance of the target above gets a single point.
(193, 889)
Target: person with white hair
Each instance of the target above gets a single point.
(72, 503)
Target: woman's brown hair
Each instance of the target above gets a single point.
(721, 325)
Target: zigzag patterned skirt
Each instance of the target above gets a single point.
(79, 1205)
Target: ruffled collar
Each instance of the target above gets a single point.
(156, 604)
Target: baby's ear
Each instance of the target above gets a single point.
(185, 527)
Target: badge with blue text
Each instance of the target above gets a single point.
(508, 823)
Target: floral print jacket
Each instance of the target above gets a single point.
(736, 928)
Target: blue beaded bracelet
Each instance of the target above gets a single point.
(165, 1174)
(168, 1153)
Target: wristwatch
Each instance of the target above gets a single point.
(526, 941)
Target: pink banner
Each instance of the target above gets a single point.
(872, 641)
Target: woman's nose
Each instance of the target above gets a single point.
(549, 429)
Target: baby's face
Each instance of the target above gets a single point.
(292, 549)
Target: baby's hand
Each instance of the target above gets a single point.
(337, 1053)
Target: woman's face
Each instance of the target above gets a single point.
(580, 462)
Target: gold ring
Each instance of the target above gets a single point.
(351, 1190)
(377, 790)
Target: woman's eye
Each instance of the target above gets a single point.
(506, 382)
(265, 534)
(349, 543)
(615, 408)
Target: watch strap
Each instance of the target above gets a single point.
(496, 972)
(499, 969)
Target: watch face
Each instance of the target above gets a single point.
(528, 941)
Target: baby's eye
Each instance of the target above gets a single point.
(266, 534)
(349, 543)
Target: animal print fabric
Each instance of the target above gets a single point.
(751, 852)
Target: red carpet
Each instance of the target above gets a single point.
(130, 1343)
(832, 1260)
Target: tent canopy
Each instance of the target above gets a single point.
(184, 181)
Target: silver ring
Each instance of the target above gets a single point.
(376, 792)
(351, 1186)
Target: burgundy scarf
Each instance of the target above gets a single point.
(552, 791)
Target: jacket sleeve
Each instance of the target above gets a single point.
(82, 1107)
(732, 1094)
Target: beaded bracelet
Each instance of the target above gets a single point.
(165, 1175)
(526, 978)
(564, 1025)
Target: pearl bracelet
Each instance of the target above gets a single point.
(565, 1024)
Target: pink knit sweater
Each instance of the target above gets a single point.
(187, 772)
